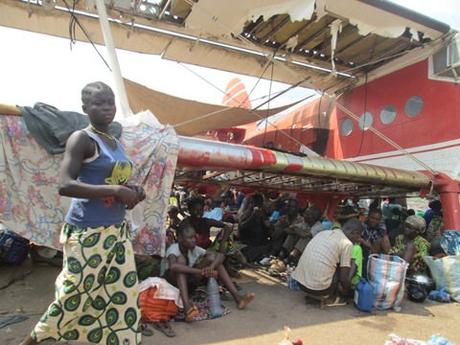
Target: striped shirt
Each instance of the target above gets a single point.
(320, 259)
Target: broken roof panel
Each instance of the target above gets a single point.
(241, 36)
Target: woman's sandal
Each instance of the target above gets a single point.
(165, 328)
(191, 314)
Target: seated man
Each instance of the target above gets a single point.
(283, 226)
(188, 264)
(374, 239)
(203, 226)
(300, 234)
(254, 227)
(326, 261)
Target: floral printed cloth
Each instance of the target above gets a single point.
(31, 206)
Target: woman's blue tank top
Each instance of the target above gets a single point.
(110, 167)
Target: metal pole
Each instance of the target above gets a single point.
(119, 85)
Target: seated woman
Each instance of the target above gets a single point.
(188, 264)
(411, 246)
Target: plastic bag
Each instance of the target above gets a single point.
(386, 274)
(13, 248)
(155, 309)
(446, 274)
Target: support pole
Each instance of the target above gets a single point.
(448, 192)
(108, 40)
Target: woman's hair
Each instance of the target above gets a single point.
(184, 228)
(88, 91)
(196, 200)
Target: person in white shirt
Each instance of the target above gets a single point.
(326, 261)
(300, 234)
(189, 264)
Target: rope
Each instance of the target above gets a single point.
(221, 110)
(72, 33)
(219, 89)
(386, 139)
(252, 111)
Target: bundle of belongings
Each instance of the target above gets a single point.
(159, 302)
(446, 270)
(13, 248)
(386, 274)
(435, 340)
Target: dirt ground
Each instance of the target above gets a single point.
(261, 324)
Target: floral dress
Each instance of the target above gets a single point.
(422, 247)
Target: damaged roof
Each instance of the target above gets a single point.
(322, 44)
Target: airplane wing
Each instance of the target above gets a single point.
(328, 46)
(204, 161)
(263, 169)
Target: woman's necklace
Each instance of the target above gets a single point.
(105, 135)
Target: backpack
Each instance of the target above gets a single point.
(13, 248)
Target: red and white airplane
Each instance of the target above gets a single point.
(391, 72)
(415, 107)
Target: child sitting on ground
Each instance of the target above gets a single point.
(188, 265)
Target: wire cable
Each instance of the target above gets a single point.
(72, 32)
(363, 129)
(386, 139)
(252, 111)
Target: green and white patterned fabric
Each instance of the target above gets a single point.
(96, 298)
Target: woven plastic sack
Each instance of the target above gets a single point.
(446, 274)
(386, 274)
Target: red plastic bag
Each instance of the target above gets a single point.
(155, 309)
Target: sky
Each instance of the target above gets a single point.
(40, 68)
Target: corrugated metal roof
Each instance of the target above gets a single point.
(240, 36)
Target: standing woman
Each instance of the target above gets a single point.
(96, 292)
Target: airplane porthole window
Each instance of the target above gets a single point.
(346, 127)
(414, 106)
(388, 114)
(366, 121)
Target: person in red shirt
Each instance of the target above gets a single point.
(203, 226)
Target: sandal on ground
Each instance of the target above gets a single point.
(248, 298)
(191, 314)
(165, 328)
(146, 330)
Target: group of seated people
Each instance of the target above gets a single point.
(330, 256)
(192, 257)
